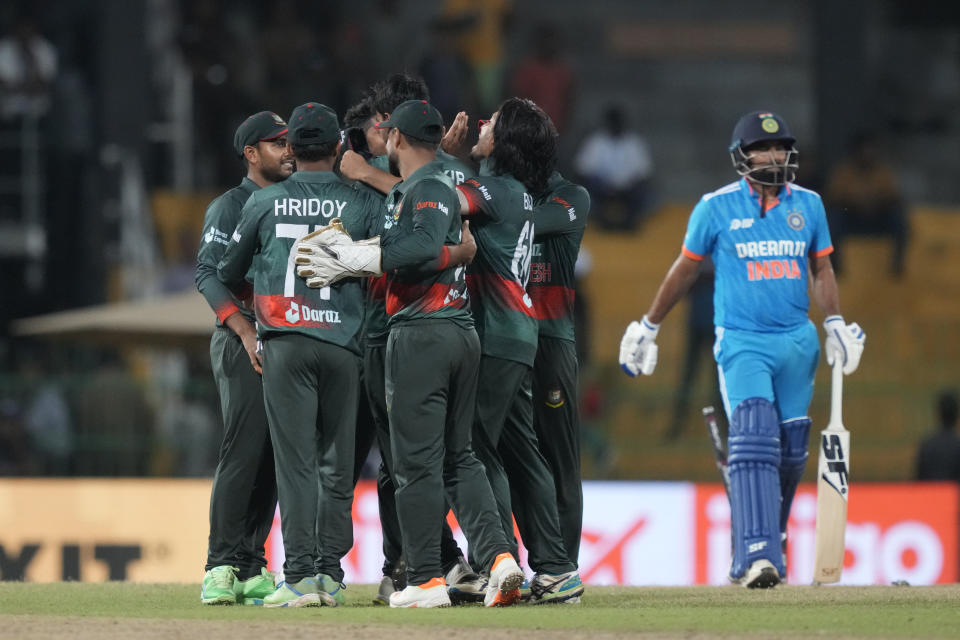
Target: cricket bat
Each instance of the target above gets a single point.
(832, 488)
(719, 451)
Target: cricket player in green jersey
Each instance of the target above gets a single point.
(310, 355)
(517, 149)
(431, 367)
(561, 216)
(463, 583)
(244, 493)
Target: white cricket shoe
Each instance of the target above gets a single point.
(761, 575)
(506, 576)
(424, 596)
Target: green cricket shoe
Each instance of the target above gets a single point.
(217, 586)
(333, 588)
(252, 591)
(306, 593)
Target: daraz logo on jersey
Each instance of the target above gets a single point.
(296, 312)
(293, 313)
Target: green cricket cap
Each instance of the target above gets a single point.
(313, 123)
(265, 125)
(417, 119)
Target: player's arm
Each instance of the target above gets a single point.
(638, 347)
(676, 284)
(455, 255)
(825, 291)
(217, 223)
(476, 200)
(564, 211)
(354, 167)
(432, 204)
(236, 260)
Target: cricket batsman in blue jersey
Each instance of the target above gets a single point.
(766, 236)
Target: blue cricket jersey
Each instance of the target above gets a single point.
(761, 262)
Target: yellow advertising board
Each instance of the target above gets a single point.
(141, 530)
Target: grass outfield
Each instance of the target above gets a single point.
(120, 610)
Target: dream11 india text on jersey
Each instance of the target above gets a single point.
(761, 261)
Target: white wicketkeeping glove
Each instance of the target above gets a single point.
(343, 260)
(844, 341)
(638, 348)
(312, 243)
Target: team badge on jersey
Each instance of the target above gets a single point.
(795, 220)
(554, 398)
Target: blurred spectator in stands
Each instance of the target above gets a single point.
(447, 72)
(482, 26)
(700, 338)
(545, 76)
(863, 198)
(46, 416)
(615, 166)
(28, 67)
(939, 454)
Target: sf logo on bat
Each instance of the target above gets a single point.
(836, 463)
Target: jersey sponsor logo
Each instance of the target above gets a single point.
(280, 311)
(741, 223)
(571, 210)
(215, 235)
(795, 220)
(771, 248)
(773, 270)
(479, 187)
(236, 236)
(433, 204)
(308, 207)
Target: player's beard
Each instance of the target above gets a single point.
(279, 173)
(393, 163)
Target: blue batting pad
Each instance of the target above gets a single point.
(794, 442)
(754, 458)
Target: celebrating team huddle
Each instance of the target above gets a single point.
(369, 286)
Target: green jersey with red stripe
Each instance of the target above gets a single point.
(377, 328)
(424, 211)
(561, 216)
(218, 224)
(501, 220)
(272, 221)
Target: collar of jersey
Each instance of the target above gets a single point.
(427, 170)
(248, 185)
(314, 176)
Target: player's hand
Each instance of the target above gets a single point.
(638, 348)
(335, 262)
(252, 346)
(468, 244)
(456, 134)
(353, 166)
(844, 341)
(310, 244)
